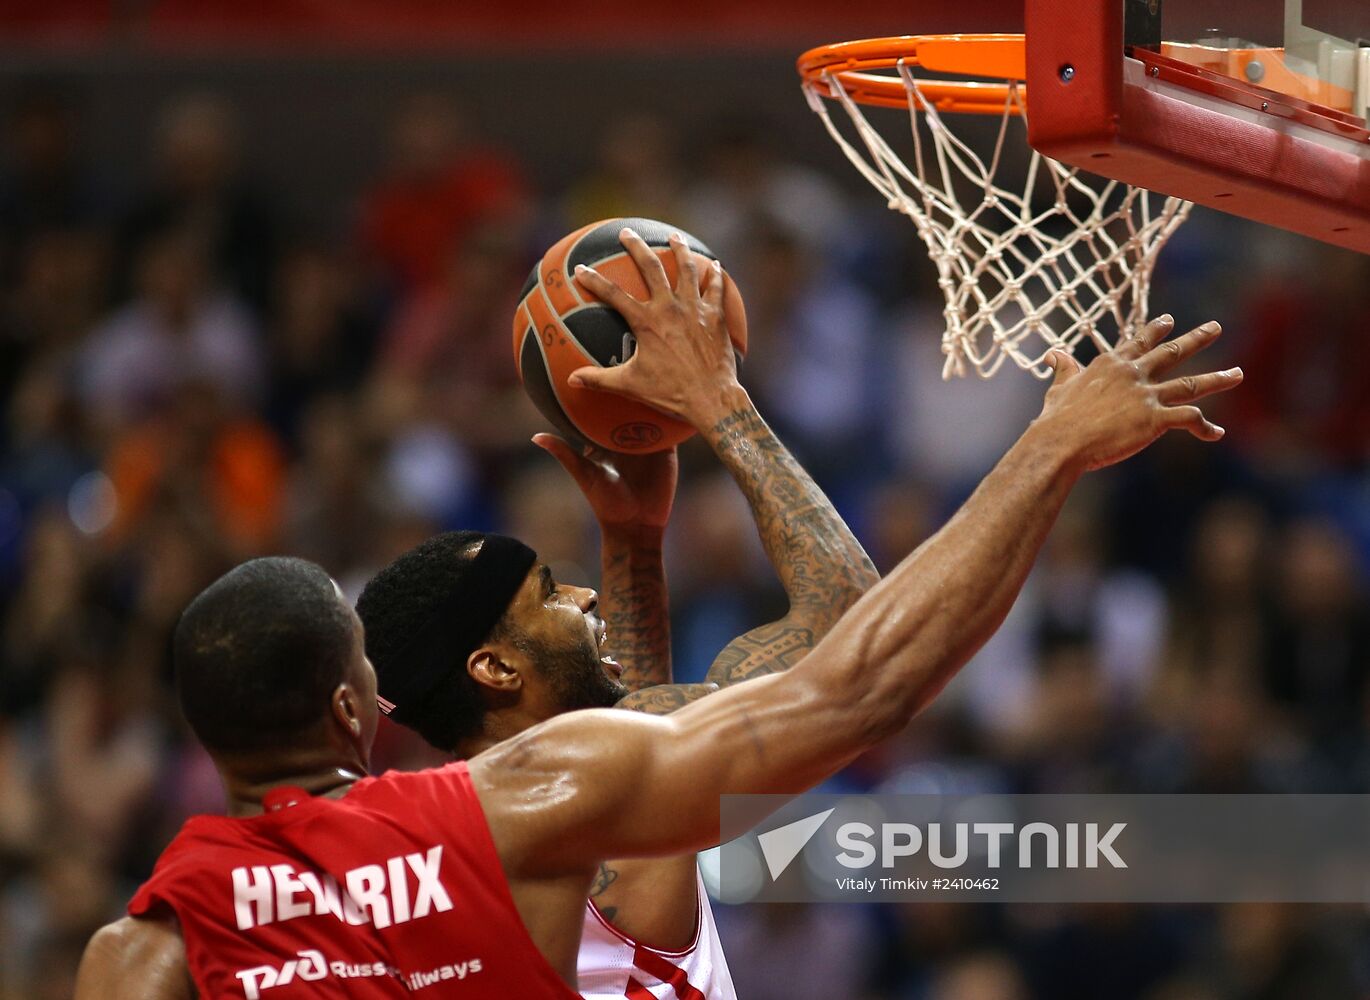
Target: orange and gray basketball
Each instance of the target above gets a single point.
(560, 326)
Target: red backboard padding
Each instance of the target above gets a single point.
(1098, 122)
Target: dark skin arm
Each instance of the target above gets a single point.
(819, 562)
(631, 498)
(135, 959)
(821, 565)
(627, 784)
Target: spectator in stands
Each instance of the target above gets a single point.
(812, 359)
(201, 459)
(636, 173)
(49, 602)
(441, 183)
(1316, 662)
(1306, 407)
(335, 497)
(44, 182)
(745, 176)
(180, 326)
(200, 189)
(59, 293)
(444, 359)
(319, 339)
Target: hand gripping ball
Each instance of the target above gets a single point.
(560, 326)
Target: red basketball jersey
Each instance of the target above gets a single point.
(393, 889)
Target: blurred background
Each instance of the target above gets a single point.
(257, 266)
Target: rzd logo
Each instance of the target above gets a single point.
(310, 967)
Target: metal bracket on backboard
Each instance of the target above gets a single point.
(1142, 23)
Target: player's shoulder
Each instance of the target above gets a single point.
(129, 935)
(198, 835)
(586, 753)
(400, 791)
(566, 740)
(187, 867)
(114, 938)
(453, 772)
(135, 950)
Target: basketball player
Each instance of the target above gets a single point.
(470, 880)
(648, 921)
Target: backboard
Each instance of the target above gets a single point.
(1257, 108)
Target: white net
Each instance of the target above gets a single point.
(1023, 271)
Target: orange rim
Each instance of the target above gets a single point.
(999, 60)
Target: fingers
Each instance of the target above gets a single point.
(1190, 388)
(1192, 419)
(1146, 338)
(549, 443)
(566, 456)
(599, 379)
(1065, 366)
(608, 292)
(586, 467)
(1196, 387)
(653, 273)
(1169, 354)
(687, 272)
(558, 449)
(713, 295)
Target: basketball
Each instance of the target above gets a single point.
(560, 326)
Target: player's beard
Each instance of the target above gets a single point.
(575, 675)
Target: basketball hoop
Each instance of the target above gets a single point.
(1021, 274)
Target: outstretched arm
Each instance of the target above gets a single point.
(631, 785)
(882, 663)
(135, 960)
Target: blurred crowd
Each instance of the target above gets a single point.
(189, 378)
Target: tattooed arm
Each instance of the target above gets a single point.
(631, 497)
(820, 563)
(634, 604)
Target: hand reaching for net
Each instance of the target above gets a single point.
(1119, 404)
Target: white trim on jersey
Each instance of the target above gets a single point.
(612, 965)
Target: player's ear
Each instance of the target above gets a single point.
(490, 669)
(347, 709)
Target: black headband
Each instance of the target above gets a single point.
(480, 596)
